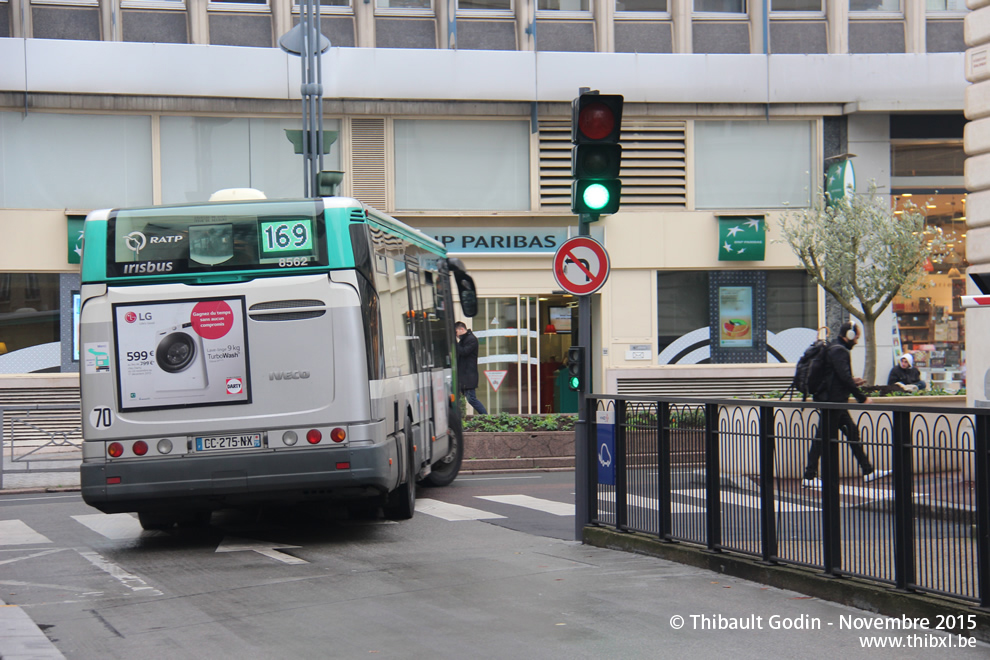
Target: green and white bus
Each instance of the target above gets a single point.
(256, 351)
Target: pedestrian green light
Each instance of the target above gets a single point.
(596, 196)
(574, 383)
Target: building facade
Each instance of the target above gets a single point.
(455, 117)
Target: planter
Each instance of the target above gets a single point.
(518, 450)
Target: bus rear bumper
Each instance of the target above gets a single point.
(232, 479)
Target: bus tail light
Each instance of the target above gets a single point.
(140, 447)
(290, 438)
(343, 466)
(338, 434)
(164, 446)
(116, 450)
(313, 436)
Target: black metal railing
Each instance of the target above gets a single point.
(729, 475)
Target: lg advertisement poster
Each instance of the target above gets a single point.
(182, 353)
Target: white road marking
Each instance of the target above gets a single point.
(234, 544)
(16, 532)
(535, 503)
(452, 512)
(37, 554)
(115, 526)
(748, 501)
(651, 503)
(129, 580)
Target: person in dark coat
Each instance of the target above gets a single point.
(837, 387)
(467, 366)
(905, 373)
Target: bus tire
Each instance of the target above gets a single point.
(401, 502)
(446, 469)
(157, 522)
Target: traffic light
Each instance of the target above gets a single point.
(596, 125)
(575, 368)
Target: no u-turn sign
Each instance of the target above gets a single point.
(581, 265)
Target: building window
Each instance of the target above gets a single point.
(401, 5)
(794, 6)
(461, 165)
(720, 6)
(201, 155)
(686, 334)
(564, 5)
(645, 6)
(955, 6)
(238, 5)
(876, 6)
(477, 6)
(753, 164)
(333, 5)
(29, 323)
(99, 161)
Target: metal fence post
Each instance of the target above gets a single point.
(768, 525)
(713, 517)
(831, 534)
(3, 423)
(983, 507)
(621, 460)
(903, 467)
(591, 475)
(664, 482)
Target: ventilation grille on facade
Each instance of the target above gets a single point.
(368, 161)
(286, 310)
(721, 388)
(653, 164)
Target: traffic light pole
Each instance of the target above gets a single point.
(582, 442)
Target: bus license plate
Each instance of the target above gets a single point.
(223, 442)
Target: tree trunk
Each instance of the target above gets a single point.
(870, 344)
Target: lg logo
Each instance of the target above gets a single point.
(131, 317)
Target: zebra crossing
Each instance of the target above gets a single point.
(125, 526)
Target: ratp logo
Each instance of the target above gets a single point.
(135, 241)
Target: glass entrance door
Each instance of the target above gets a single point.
(522, 342)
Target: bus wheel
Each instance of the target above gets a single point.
(401, 502)
(445, 470)
(155, 521)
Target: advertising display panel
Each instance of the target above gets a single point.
(181, 353)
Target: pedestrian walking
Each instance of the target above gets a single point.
(467, 366)
(837, 386)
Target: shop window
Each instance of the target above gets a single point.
(753, 164)
(29, 322)
(461, 165)
(930, 321)
(723, 317)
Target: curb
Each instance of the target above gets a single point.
(869, 596)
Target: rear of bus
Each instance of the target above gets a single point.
(224, 360)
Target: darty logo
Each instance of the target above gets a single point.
(131, 317)
(235, 386)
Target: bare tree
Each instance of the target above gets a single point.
(862, 252)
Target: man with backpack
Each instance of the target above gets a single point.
(835, 387)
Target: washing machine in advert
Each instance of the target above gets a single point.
(180, 359)
(181, 353)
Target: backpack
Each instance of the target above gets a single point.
(811, 369)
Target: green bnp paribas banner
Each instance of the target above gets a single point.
(741, 238)
(74, 232)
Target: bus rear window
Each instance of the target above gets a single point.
(216, 238)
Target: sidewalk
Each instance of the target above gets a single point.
(51, 471)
